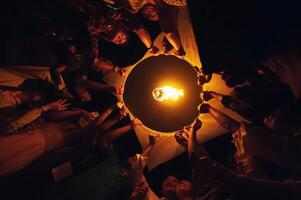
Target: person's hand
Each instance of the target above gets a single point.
(117, 90)
(197, 124)
(203, 79)
(203, 108)
(136, 122)
(57, 105)
(139, 192)
(154, 50)
(152, 139)
(120, 71)
(122, 113)
(87, 114)
(181, 139)
(83, 94)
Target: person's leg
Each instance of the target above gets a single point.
(224, 120)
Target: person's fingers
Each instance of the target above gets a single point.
(186, 134)
(65, 105)
(62, 101)
(179, 132)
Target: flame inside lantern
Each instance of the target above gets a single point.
(166, 93)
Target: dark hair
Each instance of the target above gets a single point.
(109, 34)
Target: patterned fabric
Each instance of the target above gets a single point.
(178, 3)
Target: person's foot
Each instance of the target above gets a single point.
(207, 95)
(204, 108)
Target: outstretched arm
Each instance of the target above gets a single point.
(193, 147)
(109, 123)
(151, 144)
(103, 116)
(109, 137)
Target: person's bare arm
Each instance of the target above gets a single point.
(193, 146)
(109, 123)
(103, 87)
(111, 136)
(149, 148)
(67, 114)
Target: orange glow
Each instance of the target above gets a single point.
(166, 93)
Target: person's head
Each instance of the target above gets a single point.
(117, 34)
(184, 189)
(149, 11)
(169, 187)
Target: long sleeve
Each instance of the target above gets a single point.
(24, 119)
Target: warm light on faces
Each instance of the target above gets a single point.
(166, 93)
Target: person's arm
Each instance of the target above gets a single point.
(67, 114)
(111, 136)
(35, 113)
(109, 123)
(24, 119)
(235, 182)
(193, 147)
(149, 148)
(102, 116)
(103, 87)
